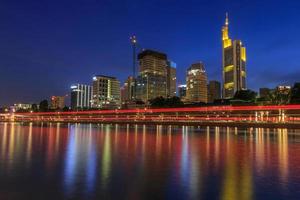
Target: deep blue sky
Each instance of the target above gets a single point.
(45, 46)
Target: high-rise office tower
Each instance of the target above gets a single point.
(171, 79)
(57, 102)
(234, 64)
(106, 92)
(152, 62)
(214, 91)
(81, 96)
(127, 91)
(152, 79)
(182, 91)
(124, 94)
(196, 82)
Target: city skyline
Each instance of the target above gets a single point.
(139, 99)
(58, 78)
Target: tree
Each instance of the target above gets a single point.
(44, 105)
(245, 95)
(34, 107)
(157, 102)
(173, 102)
(66, 108)
(295, 94)
(161, 102)
(279, 97)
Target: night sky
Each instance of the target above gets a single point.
(45, 46)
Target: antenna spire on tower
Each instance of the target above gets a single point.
(133, 41)
(227, 20)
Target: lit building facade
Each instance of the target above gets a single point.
(196, 83)
(128, 90)
(171, 79)
(214, 91)
(283, 89)
(150, 86)
(106, 92)
(234, 64)
(152, 79)
(22, 106)
(81, 96)
(57, 102)
(153, 62)
(182, 91)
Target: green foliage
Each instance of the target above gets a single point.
(245, 95)
(174, 102)
(279, 98)
(34, 107)
(295, 94)
(161, 102)
(157, 102)
(44, 106)
(66, 108)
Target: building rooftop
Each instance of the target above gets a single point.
(149, 52)
(103, 76)
(198, 65)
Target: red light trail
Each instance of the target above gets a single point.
(215, 114)
(174, 110)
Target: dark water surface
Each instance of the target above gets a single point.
(89, 161)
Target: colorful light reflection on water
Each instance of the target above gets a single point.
(89, 161)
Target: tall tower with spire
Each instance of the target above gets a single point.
(233, 63)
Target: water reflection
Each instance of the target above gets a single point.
(70, 160)
(90, 161)
(106, 158)
(283, 153)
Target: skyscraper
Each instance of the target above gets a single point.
(214, 91)
(127, 91)
(196, 82)
(182, 91)
(81, 96)
(106, 92)
(234, 64)
(171, 79)
(152, 79)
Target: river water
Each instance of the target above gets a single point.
(90, 161)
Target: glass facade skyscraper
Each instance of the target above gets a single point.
(234, 64)
(157, 76)
(171, 79)
(81, 96)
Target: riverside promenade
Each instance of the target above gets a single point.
(233, 116)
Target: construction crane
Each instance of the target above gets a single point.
(133, 41)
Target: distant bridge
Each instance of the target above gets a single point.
(287, 115)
